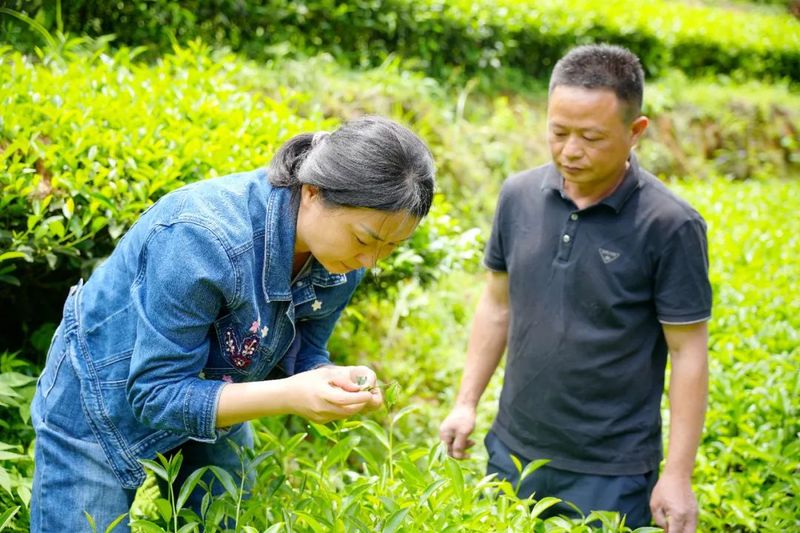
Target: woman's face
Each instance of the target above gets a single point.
(346, 238)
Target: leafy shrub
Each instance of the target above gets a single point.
(477, 37)
(16, 435)
(707, 127)
(90, 137)
(362, 477)
(749, 458)
(87, 144)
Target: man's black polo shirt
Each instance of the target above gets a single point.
(588, 291)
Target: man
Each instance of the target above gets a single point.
(596, 272)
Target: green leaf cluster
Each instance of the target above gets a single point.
(355, 476)
(86, 145)
(750, 455)
(474, 37)
(16, 434)
(90, 140)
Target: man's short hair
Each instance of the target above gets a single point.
(603, 66)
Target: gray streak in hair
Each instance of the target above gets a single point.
(371, 162)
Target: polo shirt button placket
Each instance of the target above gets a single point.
(567, 238)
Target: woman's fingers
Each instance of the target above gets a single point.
(363, 376)
(353, 378)
(343, 398)
(345, 378)
(342, 392)
(376, 399)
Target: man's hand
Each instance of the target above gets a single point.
(455, 430)
(674, 505)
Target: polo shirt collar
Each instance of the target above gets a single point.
(553, 180)
(632, 181)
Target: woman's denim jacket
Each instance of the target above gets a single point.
(195, 295)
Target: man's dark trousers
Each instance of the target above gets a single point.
(628, 495)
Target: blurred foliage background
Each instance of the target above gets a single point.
(106, 106)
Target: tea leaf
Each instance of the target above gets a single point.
(395, 520)
(377, 431)
(189, 486)
(156, 468)
(226, 479)
(147, 526)
(6, 516)
(543, 504)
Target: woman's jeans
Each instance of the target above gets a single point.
(72, 477)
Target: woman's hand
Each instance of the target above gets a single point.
(334, 392)
(360, 378)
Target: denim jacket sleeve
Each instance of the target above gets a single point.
(314, 335)
(185, 276)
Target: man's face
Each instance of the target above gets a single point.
(588, 136)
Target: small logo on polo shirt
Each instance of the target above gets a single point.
(607, 255)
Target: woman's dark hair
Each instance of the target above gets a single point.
(603, 66)
(371, 162)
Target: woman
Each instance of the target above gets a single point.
(217, 286)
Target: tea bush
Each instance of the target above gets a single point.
(750, 454)
(706, 127)
(356, 476)
(386, 472)
(89, 137)
(16, 435)
(86, 144)
(476, 37)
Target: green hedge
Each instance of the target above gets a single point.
(739, 131)
(466, 36)
(87, 144)
(746, 474)
(89, 137)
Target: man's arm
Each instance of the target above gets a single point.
(487, 342)
(673, 503)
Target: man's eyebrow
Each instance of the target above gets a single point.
(594, 129)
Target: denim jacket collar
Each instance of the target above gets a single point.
(279, 237)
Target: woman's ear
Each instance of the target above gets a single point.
(309, 193)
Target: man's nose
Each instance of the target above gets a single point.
(573, 148)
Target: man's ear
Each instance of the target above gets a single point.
(638, 126)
